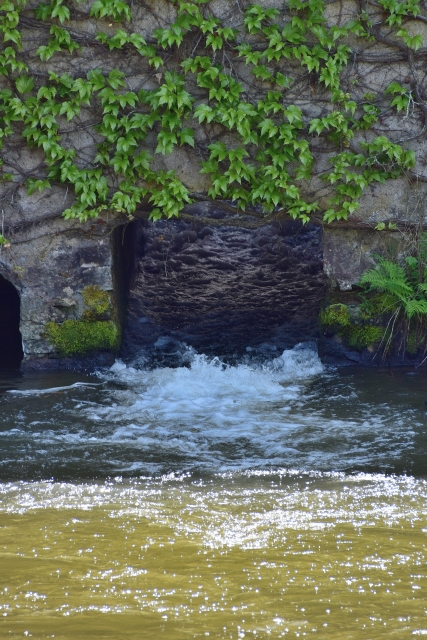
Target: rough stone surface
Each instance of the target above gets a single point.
(49, 263)
(222, 289)
(347, 254)
(333, 351)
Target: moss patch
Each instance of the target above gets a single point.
(416, 338)
(360, 337)
(97, 303)
(413, 342)
(76, 337)
(336, 316)
(355, 334)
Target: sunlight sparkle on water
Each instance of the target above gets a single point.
(260, 499)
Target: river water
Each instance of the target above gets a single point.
(266, 497)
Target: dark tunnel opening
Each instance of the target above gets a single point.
(11, 352)
(218, 288)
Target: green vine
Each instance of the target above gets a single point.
(227, 101)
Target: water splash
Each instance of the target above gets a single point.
(207, 416)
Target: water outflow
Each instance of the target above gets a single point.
(206, 417)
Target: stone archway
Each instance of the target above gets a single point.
(11, 352)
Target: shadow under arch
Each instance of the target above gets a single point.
(11, 352)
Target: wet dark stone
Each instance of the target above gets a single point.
(333, 351)
(222, 289)
(86, 364)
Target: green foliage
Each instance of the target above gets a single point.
(374, 305)
(361, 336)
(406, 292)
(97, 303)
(397, 292)
(60, 40)
(335, 317)
(24, 84)
(54, 9)
(267, 160)
(397, 10)
(114, 9)
(401, 96)
(77, 337)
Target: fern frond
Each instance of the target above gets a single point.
(388, 277)
(415, 308)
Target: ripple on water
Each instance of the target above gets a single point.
(207, 416)
(210, 527)
(273, 554)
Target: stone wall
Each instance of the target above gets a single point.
(51, 261)
(53, 264)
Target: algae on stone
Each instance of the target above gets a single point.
(97, 303)
(338, 319)
(335, 316)
(77, 337)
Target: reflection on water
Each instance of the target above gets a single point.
(249, 556)
(250, 500)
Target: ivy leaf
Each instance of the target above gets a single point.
(214, 41)
(60, 12)
(261, 71)
(210, 166)
(141, 161)
(69, 109)
(115, 79)
(268, 126)
(166, 140)
(33, 184)
(24, 84)
(282, 80)
(218, 150)
(115, 9)
(293, 114)
(186, 136)
(204, 112)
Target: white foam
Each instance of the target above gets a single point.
(212, 417)
(209, 390)
(40, 392)
(299, 363)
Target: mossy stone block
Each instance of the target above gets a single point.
(77, 337)
(335, 316)
(97, 303)
(360, 337)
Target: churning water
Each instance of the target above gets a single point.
(265, 498)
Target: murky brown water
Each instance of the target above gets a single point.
(162, 503)
(260, 556)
